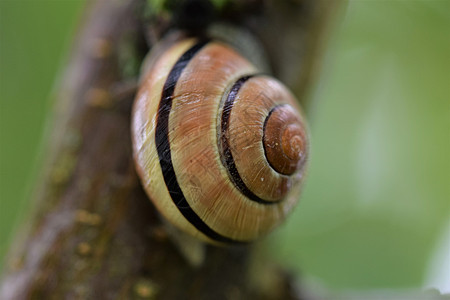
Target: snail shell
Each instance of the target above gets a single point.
(220, 149)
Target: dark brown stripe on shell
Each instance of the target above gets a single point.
(225, 150)
(164, 152)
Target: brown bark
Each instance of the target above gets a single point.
(93, 233)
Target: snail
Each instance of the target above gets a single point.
(221, 148)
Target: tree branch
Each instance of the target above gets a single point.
(93, 233)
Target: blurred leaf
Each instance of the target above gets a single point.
(378, 193)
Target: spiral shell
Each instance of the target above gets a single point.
(220, 149)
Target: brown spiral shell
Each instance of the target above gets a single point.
(220, 149)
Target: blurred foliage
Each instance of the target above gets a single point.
(34, 38)
(377, 198)
(378, 194)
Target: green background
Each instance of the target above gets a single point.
(377, 200)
